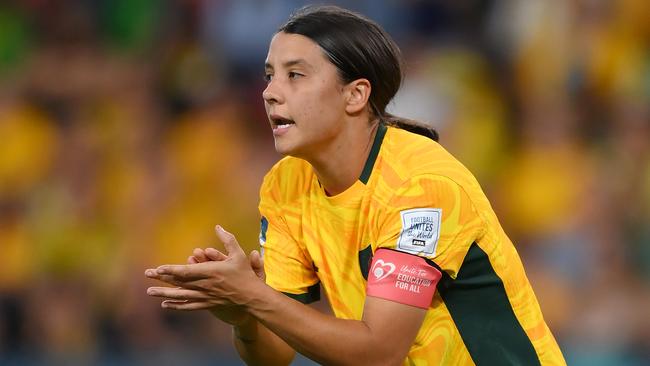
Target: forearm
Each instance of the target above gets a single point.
(323, 338)
(257, 345)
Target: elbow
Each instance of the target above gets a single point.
(390, 360)
(375, 361)
(379, 354)
(376, 355)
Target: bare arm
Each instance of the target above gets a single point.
(382, 337)
(255, 344)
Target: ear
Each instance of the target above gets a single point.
(357, 95)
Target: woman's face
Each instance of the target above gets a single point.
(304, 98)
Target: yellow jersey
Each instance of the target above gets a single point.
(416, 198)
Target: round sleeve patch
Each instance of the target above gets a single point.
(403, 278)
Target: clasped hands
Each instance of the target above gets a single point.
(222, 283)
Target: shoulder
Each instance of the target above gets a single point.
(288, 178)
(408, 157)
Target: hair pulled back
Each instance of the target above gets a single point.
(359, 48)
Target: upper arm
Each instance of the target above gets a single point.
(393, 327)
(287, 265)
(400, 289)
(425, 230)
(431, 216)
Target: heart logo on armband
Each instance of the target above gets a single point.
(382, 269)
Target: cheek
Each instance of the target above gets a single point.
(324, 103)
(319, 113)
(317, 105)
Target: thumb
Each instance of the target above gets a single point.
(257, 264)
(229, 242)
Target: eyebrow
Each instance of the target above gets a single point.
(298, 61)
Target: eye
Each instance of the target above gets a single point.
(294, 75)
(268, 77)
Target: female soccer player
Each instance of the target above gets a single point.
(398, 233)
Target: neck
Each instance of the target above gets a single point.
(341, 163)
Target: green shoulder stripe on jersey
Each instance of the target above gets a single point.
(365, 256)
(374, 152)
(312, 294)
(479, 306)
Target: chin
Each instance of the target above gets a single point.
(287, 149)
(283, 148)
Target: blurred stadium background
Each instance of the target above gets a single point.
(129, 128)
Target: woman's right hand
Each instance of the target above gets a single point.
(231, 314)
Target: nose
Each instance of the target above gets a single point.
(272, 94)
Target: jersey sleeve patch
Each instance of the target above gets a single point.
(403, 278)
(420, 231)
(264, 227)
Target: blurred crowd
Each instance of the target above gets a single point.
(129, 128)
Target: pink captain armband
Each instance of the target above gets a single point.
(403, 278)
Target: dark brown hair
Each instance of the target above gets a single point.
(359, 48)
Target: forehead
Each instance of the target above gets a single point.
(286, 47)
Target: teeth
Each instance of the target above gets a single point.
(283, 126)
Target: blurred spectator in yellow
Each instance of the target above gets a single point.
(28, 145)
(128, 129)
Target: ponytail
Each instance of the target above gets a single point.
(410, 125)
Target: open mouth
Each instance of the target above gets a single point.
(281, 123)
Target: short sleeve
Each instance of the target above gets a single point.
(288, 267)
(431, 216)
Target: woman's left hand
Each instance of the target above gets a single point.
(227, 282)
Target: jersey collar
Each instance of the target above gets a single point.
(374, 152)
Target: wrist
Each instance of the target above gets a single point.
(260, 303)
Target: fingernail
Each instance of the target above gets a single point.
(161, 270)
(219, 228)
(149, 273)
(150, 292)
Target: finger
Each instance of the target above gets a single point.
(193, 284)
(229, 241)
(257, 261)
(192, 260)
(153, 274)
(199, 254)
(257, 264)
(189, 272)
(199, 285)
(215, 255)
(186, 305)
(177, 293)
